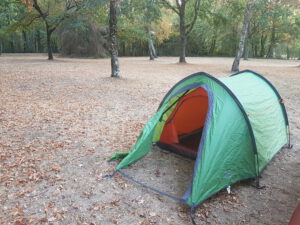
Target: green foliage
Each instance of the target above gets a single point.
(135, 18)
(89, 37)
(275, 26)
(216, 31)
(14, 20)
(10, 13)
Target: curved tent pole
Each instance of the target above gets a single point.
(238, 104)
(179, 82)
(228, 91)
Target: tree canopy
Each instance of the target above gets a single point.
(273, 31)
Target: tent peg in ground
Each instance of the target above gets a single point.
(192, 214)
(257, 184)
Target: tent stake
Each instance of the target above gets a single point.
(192, 214)
(257, 184)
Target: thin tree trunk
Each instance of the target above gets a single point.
(25, 42)
(38, 41)
(246, 45)
(124, 48)
(49, 47)
(246, 49)
(272, 42)
(262, 46)
(152, 51)
(115, 70)
(253, 47)
(183, 35)
(11, 37)
(247, 17)
(12, 44)
(255, 50)
(1, 47)
(212, 46)
(288, 53)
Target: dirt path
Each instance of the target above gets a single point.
(60, 121)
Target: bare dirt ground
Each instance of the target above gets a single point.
(60, 121)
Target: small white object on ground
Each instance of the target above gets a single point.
(228, 189)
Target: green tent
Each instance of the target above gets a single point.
(231, 126)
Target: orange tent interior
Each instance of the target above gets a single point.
(183, 129)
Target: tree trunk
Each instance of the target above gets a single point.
(38, 45)
(255, 53)
(11, 37)
(272, 41)
(253, 47)
(12, 44)
(25, 42)
(184, 29)
(182, 48)
(124, 48)
(212, 46)
(246, 45)
(49, 47)
(150, 46)
(247, 17)
(183, 36)
(246, 49)
(1, 47)
(115, 70)
(288, 53)
(262, 46)
(152, 51)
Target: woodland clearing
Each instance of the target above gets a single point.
(61, 120)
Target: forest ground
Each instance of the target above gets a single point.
(61, 120)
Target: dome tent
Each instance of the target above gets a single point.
(231, 126)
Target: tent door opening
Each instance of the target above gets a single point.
(182, 131)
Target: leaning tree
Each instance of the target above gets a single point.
(240, 51)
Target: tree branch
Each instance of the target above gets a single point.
(168, 5)
(37, 7)
(60, 18)
(32, 20)
(196, 12)
(66, 14)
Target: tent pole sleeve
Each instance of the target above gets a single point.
(257, 165)
(172, 105)
(289, 132)
(257, 183)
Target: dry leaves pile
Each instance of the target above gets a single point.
(59, 123)
(51, 122)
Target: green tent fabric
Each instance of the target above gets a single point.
(245, 126)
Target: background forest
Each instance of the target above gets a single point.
(80, 28)
(62, 120)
